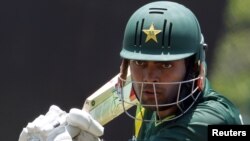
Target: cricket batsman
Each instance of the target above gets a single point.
(164, 50)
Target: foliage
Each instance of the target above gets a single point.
(231, 68)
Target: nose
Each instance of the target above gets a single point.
(151, 73)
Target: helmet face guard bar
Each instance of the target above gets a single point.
(180, 98)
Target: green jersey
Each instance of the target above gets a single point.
(211, 108)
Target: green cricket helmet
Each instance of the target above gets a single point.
(162, 31)
(165, 31)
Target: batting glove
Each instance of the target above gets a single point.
(57, 125)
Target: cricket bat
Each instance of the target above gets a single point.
(105, 104)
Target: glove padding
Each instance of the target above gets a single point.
(57, 125)
(90, 128)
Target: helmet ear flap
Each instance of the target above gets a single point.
(202, 66)
(201, 81)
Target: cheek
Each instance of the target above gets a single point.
(136, 74)
(181, 72)
(175, 75)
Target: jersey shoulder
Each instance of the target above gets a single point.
(214, 108)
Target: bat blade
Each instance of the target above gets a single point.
(105, 104)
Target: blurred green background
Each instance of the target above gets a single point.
(231, 66)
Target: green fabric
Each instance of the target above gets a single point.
(212, 108)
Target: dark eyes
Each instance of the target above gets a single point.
(164, 65)
(139, 63)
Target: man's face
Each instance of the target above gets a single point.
(151, 92)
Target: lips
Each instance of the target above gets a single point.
(147, 97)
(150, 90)
(150, 93)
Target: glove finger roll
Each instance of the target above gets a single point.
(85, 122)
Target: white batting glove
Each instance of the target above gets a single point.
(49, 127)
(90, 129)
(57, 125)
